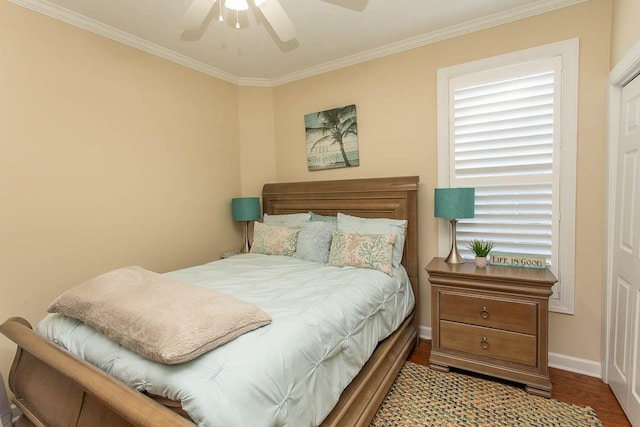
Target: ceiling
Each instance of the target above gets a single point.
(331, 33)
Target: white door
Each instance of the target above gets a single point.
(624, 324)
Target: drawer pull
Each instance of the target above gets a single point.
(484, 343)
(484, 313)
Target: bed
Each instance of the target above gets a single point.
(52, 387)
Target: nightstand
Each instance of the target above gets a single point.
(492, 321)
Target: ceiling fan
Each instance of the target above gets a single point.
(270, 9)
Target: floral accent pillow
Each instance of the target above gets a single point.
(373, 251)
(274, 239)
(354, 224)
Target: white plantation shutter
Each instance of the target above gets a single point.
(507, 126)
(503, 143)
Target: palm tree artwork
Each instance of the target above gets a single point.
(332, 138)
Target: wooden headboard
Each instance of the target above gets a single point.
(395, 198)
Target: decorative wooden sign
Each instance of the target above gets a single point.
(517, 260)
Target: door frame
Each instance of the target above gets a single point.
(623, 73)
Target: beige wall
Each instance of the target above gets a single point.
(626, 28)
(257, 144)
(396, 103)
(108, 157)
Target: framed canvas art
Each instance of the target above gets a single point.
(332, 138)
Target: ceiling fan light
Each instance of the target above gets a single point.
(236, 4)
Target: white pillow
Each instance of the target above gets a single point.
(287, 220)
(326, 218)
(354, 224)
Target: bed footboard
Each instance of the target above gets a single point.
(361, 399)
(54, 388)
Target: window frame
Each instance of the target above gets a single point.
(562, 301)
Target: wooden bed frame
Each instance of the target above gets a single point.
(52, 387)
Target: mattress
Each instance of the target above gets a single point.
(326, 323)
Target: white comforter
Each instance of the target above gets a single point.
(326, 324)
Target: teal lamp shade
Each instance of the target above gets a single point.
(245, 209)
(454, 204)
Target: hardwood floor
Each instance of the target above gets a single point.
(567, 387)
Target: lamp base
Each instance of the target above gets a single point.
(454, 256)
(247, 245)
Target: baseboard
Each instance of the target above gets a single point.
(424, 332)
(575, 364)
(559, 361)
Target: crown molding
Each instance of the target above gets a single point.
(257, 82)
(65, 15)
(474, 25)
(89, 24)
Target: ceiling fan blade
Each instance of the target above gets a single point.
(278, 19)
(196, 14)
(357, 5)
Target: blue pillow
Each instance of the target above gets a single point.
(314, 241)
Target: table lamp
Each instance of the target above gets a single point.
(245, 209)
(454, 204)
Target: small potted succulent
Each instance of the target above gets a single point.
(481, 249)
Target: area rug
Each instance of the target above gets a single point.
(423, 397)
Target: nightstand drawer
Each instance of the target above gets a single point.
(502, 345)
(515, 316)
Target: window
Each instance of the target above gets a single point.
(507, 126)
